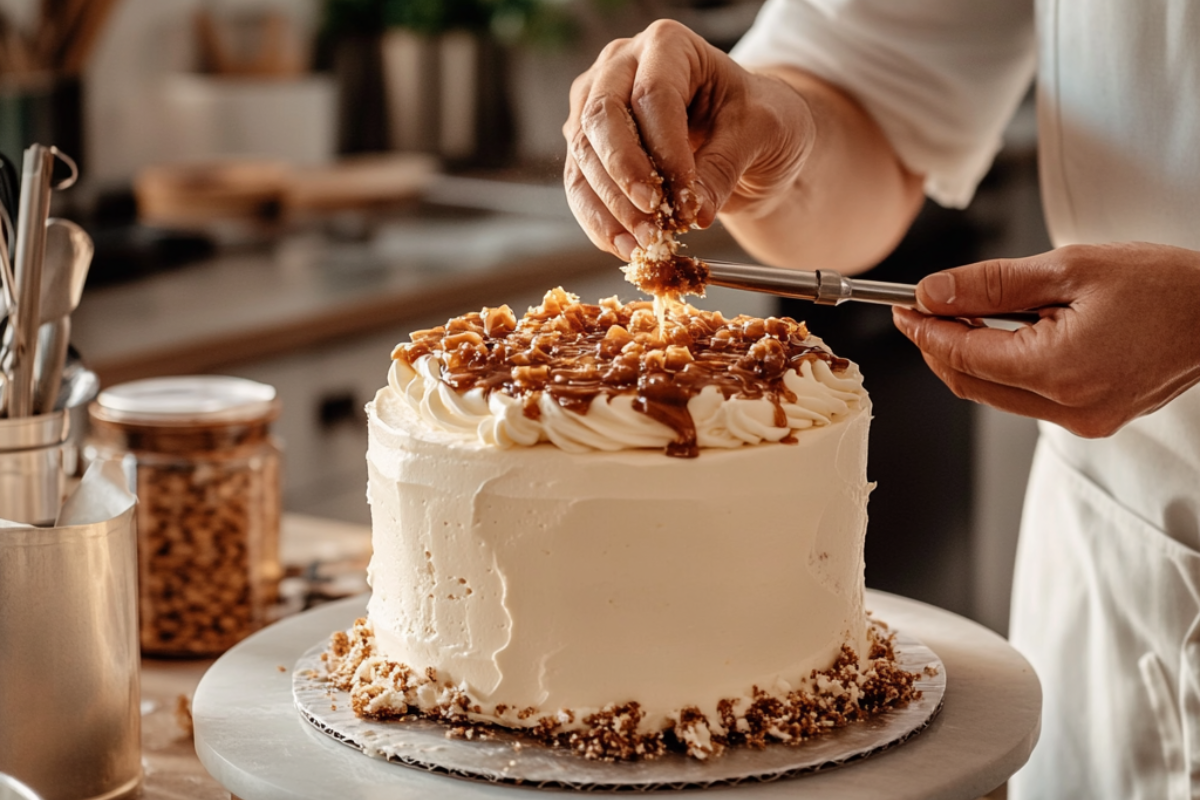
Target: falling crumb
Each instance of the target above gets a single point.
(183, 714)
(282, 668)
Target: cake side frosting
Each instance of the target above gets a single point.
(558, 581)
(539, 565)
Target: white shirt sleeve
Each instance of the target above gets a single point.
(941, 77)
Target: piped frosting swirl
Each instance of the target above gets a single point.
(610, 376)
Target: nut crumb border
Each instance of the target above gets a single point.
(386, 690)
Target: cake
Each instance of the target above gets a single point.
(619, 533)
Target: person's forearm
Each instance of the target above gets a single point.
(853, 201)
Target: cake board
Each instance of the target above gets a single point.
(251, 738)
(502, 756)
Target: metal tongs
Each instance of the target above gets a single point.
(829, 288)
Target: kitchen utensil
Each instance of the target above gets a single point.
(79, 387)
(10, 185)
(34, 209)
(69, 252)
(8, 283)
(827, 287)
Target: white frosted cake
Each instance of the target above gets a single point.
(621, 536)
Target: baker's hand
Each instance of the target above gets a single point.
(725, 138)
(1119, 334)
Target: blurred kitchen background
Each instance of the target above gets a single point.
(283, 189)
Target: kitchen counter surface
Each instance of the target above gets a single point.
(251, 738)
(308, 289)
(327, 559)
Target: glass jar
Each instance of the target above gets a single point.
(206, 469)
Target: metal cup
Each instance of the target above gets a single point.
(69, 663)
(31, 467)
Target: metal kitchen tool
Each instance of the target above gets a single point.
(79, 387)
(69, 252)
(826, 287)
(70, 726)
(34, 209)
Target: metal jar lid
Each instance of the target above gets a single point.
(187, 400)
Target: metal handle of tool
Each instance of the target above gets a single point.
(754, 278)
(30, 250)
(34, 209)
(828, 287)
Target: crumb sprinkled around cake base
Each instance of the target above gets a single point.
(843, 694)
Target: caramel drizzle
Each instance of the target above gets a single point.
(575, 352)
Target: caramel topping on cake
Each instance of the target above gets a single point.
(576, 352)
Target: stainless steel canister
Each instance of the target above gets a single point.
(31, 467)
(69, 662)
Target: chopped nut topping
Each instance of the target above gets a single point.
(576, 352)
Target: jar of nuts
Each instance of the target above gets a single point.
(199, 451)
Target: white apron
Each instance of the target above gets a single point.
(1106, 600)
(1106, 597)
(1106, 605)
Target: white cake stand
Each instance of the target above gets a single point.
(253, 741)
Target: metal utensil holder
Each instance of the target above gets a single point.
(31, 467)
(70, 725)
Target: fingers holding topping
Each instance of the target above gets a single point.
(618, 203)
(607, 130)
(665, 127)
(601, 134)
(593, 215)
(644, 79)
(671, 69)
